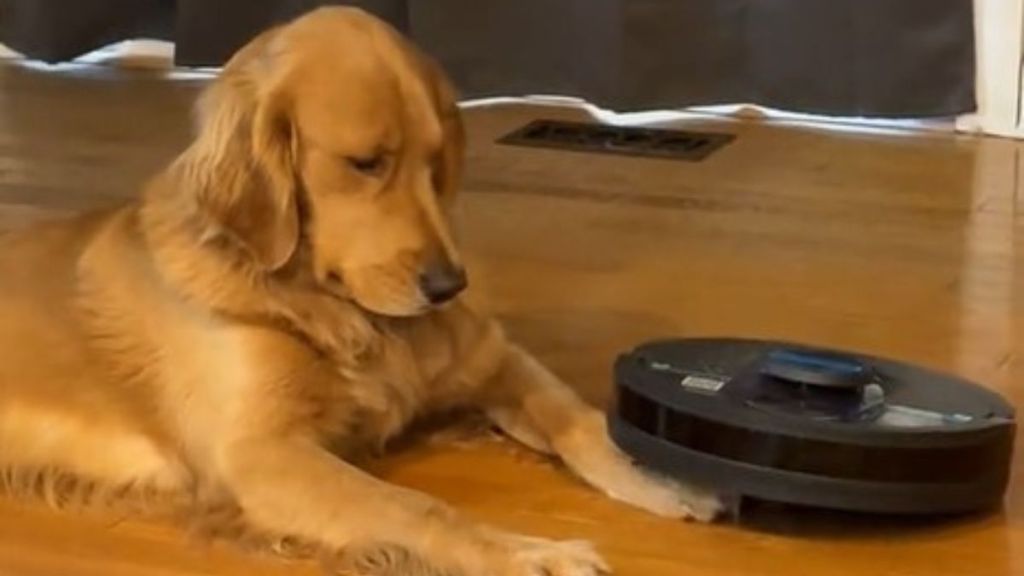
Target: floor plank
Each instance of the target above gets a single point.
(898, 245)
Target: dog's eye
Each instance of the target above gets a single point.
(370, 166)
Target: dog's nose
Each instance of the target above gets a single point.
(440, 283)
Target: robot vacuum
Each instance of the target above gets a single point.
(800, 425)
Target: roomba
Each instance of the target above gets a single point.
(795, 424)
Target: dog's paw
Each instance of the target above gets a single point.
(590, 453)
(528, 556)
(668, 498)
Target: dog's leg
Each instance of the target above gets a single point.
(43, 446)
(268, 456)
(532, 405)
(292, 486)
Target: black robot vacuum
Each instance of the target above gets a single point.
(800, 425)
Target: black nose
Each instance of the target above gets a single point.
(441, 283)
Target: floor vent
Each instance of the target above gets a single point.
(623, 140)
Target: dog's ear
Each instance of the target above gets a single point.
(445, 98)
(241, 166)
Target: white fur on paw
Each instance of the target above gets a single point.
(671, 499)
(542, 557)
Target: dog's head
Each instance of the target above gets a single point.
(334, 133)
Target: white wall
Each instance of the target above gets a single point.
(999, 28)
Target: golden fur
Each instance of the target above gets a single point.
(256, 317)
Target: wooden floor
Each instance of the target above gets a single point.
(898, 245)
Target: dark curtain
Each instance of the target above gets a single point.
(875, 58)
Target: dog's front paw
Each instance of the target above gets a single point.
(668, 498)
(589, 451)
(528, 556)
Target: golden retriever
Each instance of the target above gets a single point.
(283, 294)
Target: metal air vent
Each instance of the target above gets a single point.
(623, 140)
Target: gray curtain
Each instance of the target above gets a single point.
(875, 58)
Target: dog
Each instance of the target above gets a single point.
(284, 294)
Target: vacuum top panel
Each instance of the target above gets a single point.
(813, 392)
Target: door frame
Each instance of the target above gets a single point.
(999, 48)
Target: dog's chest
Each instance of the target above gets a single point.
(426, 365)
(372, 404)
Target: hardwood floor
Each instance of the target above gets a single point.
(899, 245)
